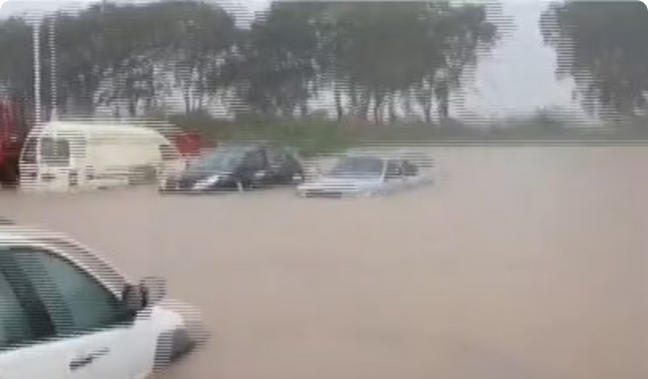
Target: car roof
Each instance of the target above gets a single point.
(418, 158)
(13, 234)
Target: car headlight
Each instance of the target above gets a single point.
(206, 183)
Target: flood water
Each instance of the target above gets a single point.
(518, 263)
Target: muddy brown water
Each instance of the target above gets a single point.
(520, 263)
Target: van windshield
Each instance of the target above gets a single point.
(29, 151)
(55, 152)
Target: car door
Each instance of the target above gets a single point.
(394, 178)
(254, 169)
(94, 335)
(283, 167)
(411, 176)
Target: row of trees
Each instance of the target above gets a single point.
(374, 59)
(603, 46)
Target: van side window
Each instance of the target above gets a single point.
(75, 301)
(55, 151)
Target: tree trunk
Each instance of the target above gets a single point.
(407, 103)
(427, 111)
(364, 105)
(442, 95)
(443, 110)
(303, 109)
(353, 93)
(132, 106)
(187, 101)
(392, 108)
(338, 102)
(377, 111)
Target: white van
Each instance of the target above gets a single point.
(73, 155)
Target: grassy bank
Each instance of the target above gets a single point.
(316, 136)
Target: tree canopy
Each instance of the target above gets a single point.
(604, 47)
(401, 57)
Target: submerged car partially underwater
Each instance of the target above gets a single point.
(238, 168)
(67, 313)
(364, 175)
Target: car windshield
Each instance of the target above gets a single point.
(358, 167)
(220, 160)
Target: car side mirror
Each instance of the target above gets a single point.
(155, 288)
(134, 297)
(148, 292)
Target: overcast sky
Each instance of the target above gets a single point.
(518, 76)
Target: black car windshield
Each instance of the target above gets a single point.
(220, 160)
(358, 167)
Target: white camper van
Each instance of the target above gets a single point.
(60, 156)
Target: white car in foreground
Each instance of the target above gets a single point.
(66, 313)
(362, 175)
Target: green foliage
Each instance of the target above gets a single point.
(604, 47)
(373, 55)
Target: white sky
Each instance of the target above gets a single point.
(518, 76)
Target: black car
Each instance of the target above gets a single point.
(238, 167)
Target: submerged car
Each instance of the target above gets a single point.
(67, 313)
(238, 167)
(365, 175)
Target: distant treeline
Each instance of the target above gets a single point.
(377, 62)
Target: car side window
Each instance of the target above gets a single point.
(75, 301)
(276, 158)
(409, 169)
(394, 170)
(254, 161)
(14, 321)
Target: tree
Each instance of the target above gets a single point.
(383, 51)
(456, 36)
(278, 70)
(372, 56)
(601, 45)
